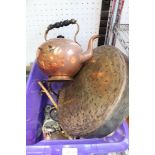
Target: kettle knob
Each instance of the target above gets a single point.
(60, 36)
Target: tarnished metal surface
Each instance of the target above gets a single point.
(62, 58)
(98, 96)
(59, 57)
(51, 128)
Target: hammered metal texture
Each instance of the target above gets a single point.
(99, 89)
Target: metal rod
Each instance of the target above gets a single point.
(48, 94)
(78, 28)
(54, 103)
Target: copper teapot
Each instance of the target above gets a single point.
(62, 58)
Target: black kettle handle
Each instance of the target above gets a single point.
(61, 24)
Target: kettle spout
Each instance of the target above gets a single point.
(89, 53)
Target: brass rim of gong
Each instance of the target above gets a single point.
(60, 78)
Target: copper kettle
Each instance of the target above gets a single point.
(62, 58)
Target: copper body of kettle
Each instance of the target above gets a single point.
(61, 58)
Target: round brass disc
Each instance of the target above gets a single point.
(96, 101)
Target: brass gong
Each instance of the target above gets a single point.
(95, 103)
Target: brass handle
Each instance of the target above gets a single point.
(61, 24)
